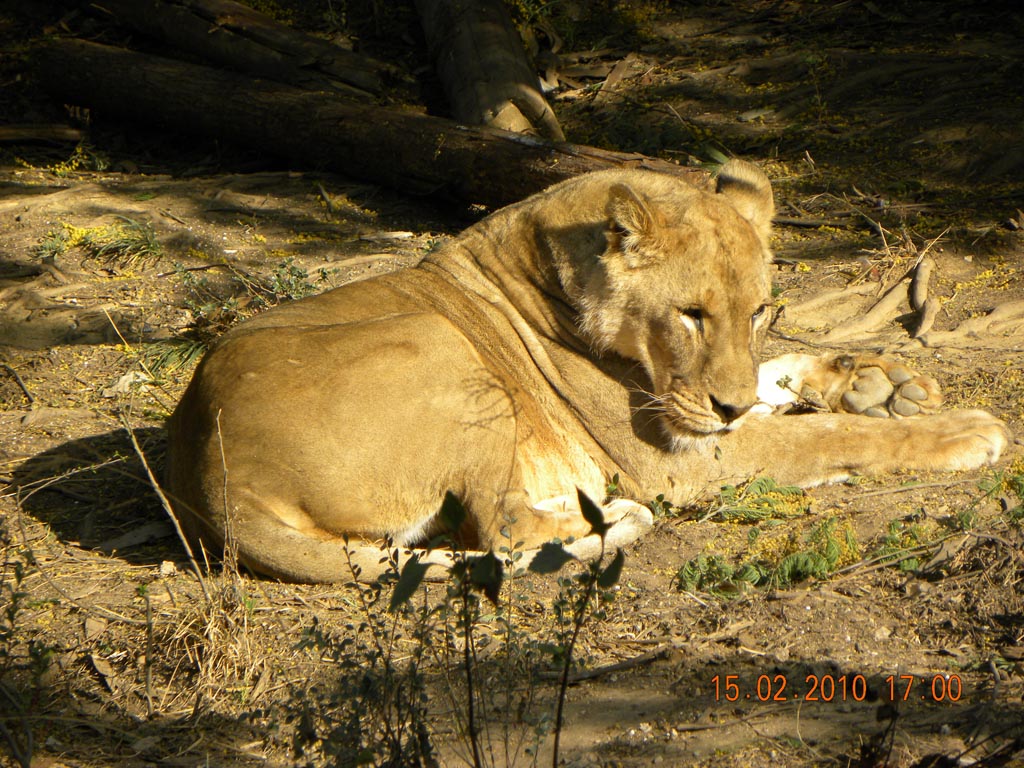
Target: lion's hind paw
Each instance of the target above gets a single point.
(629, 520)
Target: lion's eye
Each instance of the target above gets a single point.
(761, 313)
(693, 317)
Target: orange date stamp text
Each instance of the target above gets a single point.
(937, 688)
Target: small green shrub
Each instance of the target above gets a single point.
(760, 499)
(827, 547)
(411, 655)
(127, 244)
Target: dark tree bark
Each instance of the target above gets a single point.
(246, 40)
(410, 152)
(483, 66)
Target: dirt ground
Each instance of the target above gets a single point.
(894, 134)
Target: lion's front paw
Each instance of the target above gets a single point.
(872, 386)
(884, 388)
(958, 440)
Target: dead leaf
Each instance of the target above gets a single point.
(158, 529)
(131, 382)
(106, 672)
(947, 551)
(94, 627)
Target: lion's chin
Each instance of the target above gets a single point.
(692, 443)
(686, 436)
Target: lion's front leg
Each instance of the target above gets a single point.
(872, 386)
(816, 448)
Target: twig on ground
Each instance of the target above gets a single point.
(618, 666)
(165, 503)
(18, 379)
(905, 488)
(811, 223)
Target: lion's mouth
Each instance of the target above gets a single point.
(688, 417)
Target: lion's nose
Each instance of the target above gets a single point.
(729, 412)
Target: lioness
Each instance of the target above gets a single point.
(609, 325)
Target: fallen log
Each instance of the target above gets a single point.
(409, 152)
(482, 64)
(243, 39)
(33, 132)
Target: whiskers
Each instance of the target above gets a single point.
(687, 420)
(652, 407)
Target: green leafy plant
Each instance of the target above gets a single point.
(660, 507)
(760, 499)
(715, 575)
(378, 713)
(127, 244)
(216, 305)
(582, 597)
(900, 545)
(291, 281)
(84, 157)
(826, 547)
(1008, 486)
(173, 355)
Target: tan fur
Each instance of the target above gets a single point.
(610, 325)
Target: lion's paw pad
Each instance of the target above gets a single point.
(891, 391)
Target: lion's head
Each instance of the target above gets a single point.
(683, 288)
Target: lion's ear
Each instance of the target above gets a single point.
(750, 192)
(630, 222)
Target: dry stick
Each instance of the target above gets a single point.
(229, 537)
(152, 478)
(21, 753)
(200, 268)
(165, 503)
(810, 223)
(619, 666)
(912, 487)
(885, 561)
(149, 655)
(929, 245)
(1012, 548)
(746, 720)
(578, 622)
(469, 659)
(145, 368)
(17, 378)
